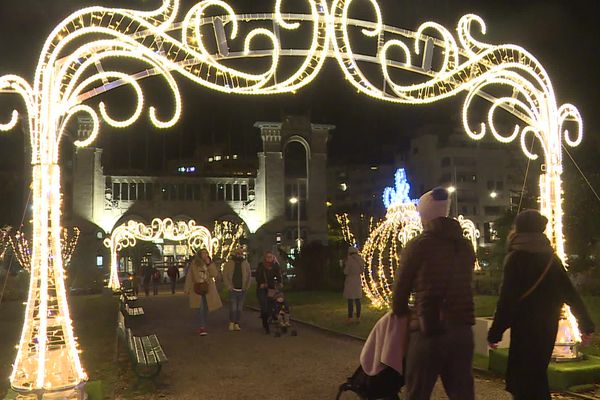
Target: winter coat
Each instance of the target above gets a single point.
(273, 275)
(199, 272)
(438, 263)
(354, 266)
(228, 270)
(533, 321)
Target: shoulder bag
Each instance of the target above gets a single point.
(270, 292)
(201, 288)
(540, 279)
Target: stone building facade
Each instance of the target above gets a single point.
(291, 165)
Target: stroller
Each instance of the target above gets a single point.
(379, 375)
(280, 315)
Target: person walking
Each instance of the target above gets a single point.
(201, 289)
(173, 273)
(147, 278)
(236, 277)
(437, 267)
(354, 267)
(268, 279)
(534, 288)
(156, 275)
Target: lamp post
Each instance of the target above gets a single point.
(296, 200)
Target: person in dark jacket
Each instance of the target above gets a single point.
(532, 309)
(268, 278)
(437, 268)
(173, 273)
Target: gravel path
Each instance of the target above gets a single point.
(249, 364)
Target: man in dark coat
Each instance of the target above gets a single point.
(437, 267)
(532, 309)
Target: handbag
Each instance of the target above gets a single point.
(432, 316)
(540, 279)
(270, 292)
(201, 287)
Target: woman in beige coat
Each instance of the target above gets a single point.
(202, 269)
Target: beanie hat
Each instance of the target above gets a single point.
(530, 221)
(434, 204)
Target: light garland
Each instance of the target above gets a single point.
(344, 222)
(4, 240)
(127, 235)
(22, 249)
(66, 76)
(226, 235)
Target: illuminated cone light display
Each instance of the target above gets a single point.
(70, 72)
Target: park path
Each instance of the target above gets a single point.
(249, 364)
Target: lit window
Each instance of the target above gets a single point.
(235, 156)
(343, 187)
(217, 158)
(99, 261)
(210, 159)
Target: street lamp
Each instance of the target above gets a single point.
(493, 195)
(296, 200)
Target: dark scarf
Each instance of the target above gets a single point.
(531, 242)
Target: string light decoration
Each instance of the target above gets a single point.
(68, 244)
(383, 247)
(344, 222)
(4, 240)
(22, 249)
(68, 74)
(226, 235)
(126, 235)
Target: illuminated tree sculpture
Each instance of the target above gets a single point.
(4, 240)
(70, 72)
(227, 237)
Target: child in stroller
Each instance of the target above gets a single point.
(281, 315)
(380, 373)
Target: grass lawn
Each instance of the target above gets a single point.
(94, 320)
(328, 310)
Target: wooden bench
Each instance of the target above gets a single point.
(133, 311)
(145, 352)
(128, 309)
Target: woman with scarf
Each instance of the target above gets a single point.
(534, 288)
(201, 289)
(268, 278)
(236, 276)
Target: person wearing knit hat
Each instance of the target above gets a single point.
(434, 204)
(437, 266)
(530, 221)
(534, 288)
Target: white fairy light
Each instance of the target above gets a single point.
(127, 235)
(65, 77)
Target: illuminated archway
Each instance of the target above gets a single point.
(127, 235)
(67, 75)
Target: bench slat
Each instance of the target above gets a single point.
(150, 356)
(139, 351)
(161, 357)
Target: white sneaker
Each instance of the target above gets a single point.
(236, 327)
(231, 326)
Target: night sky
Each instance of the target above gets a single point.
(563, 35)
